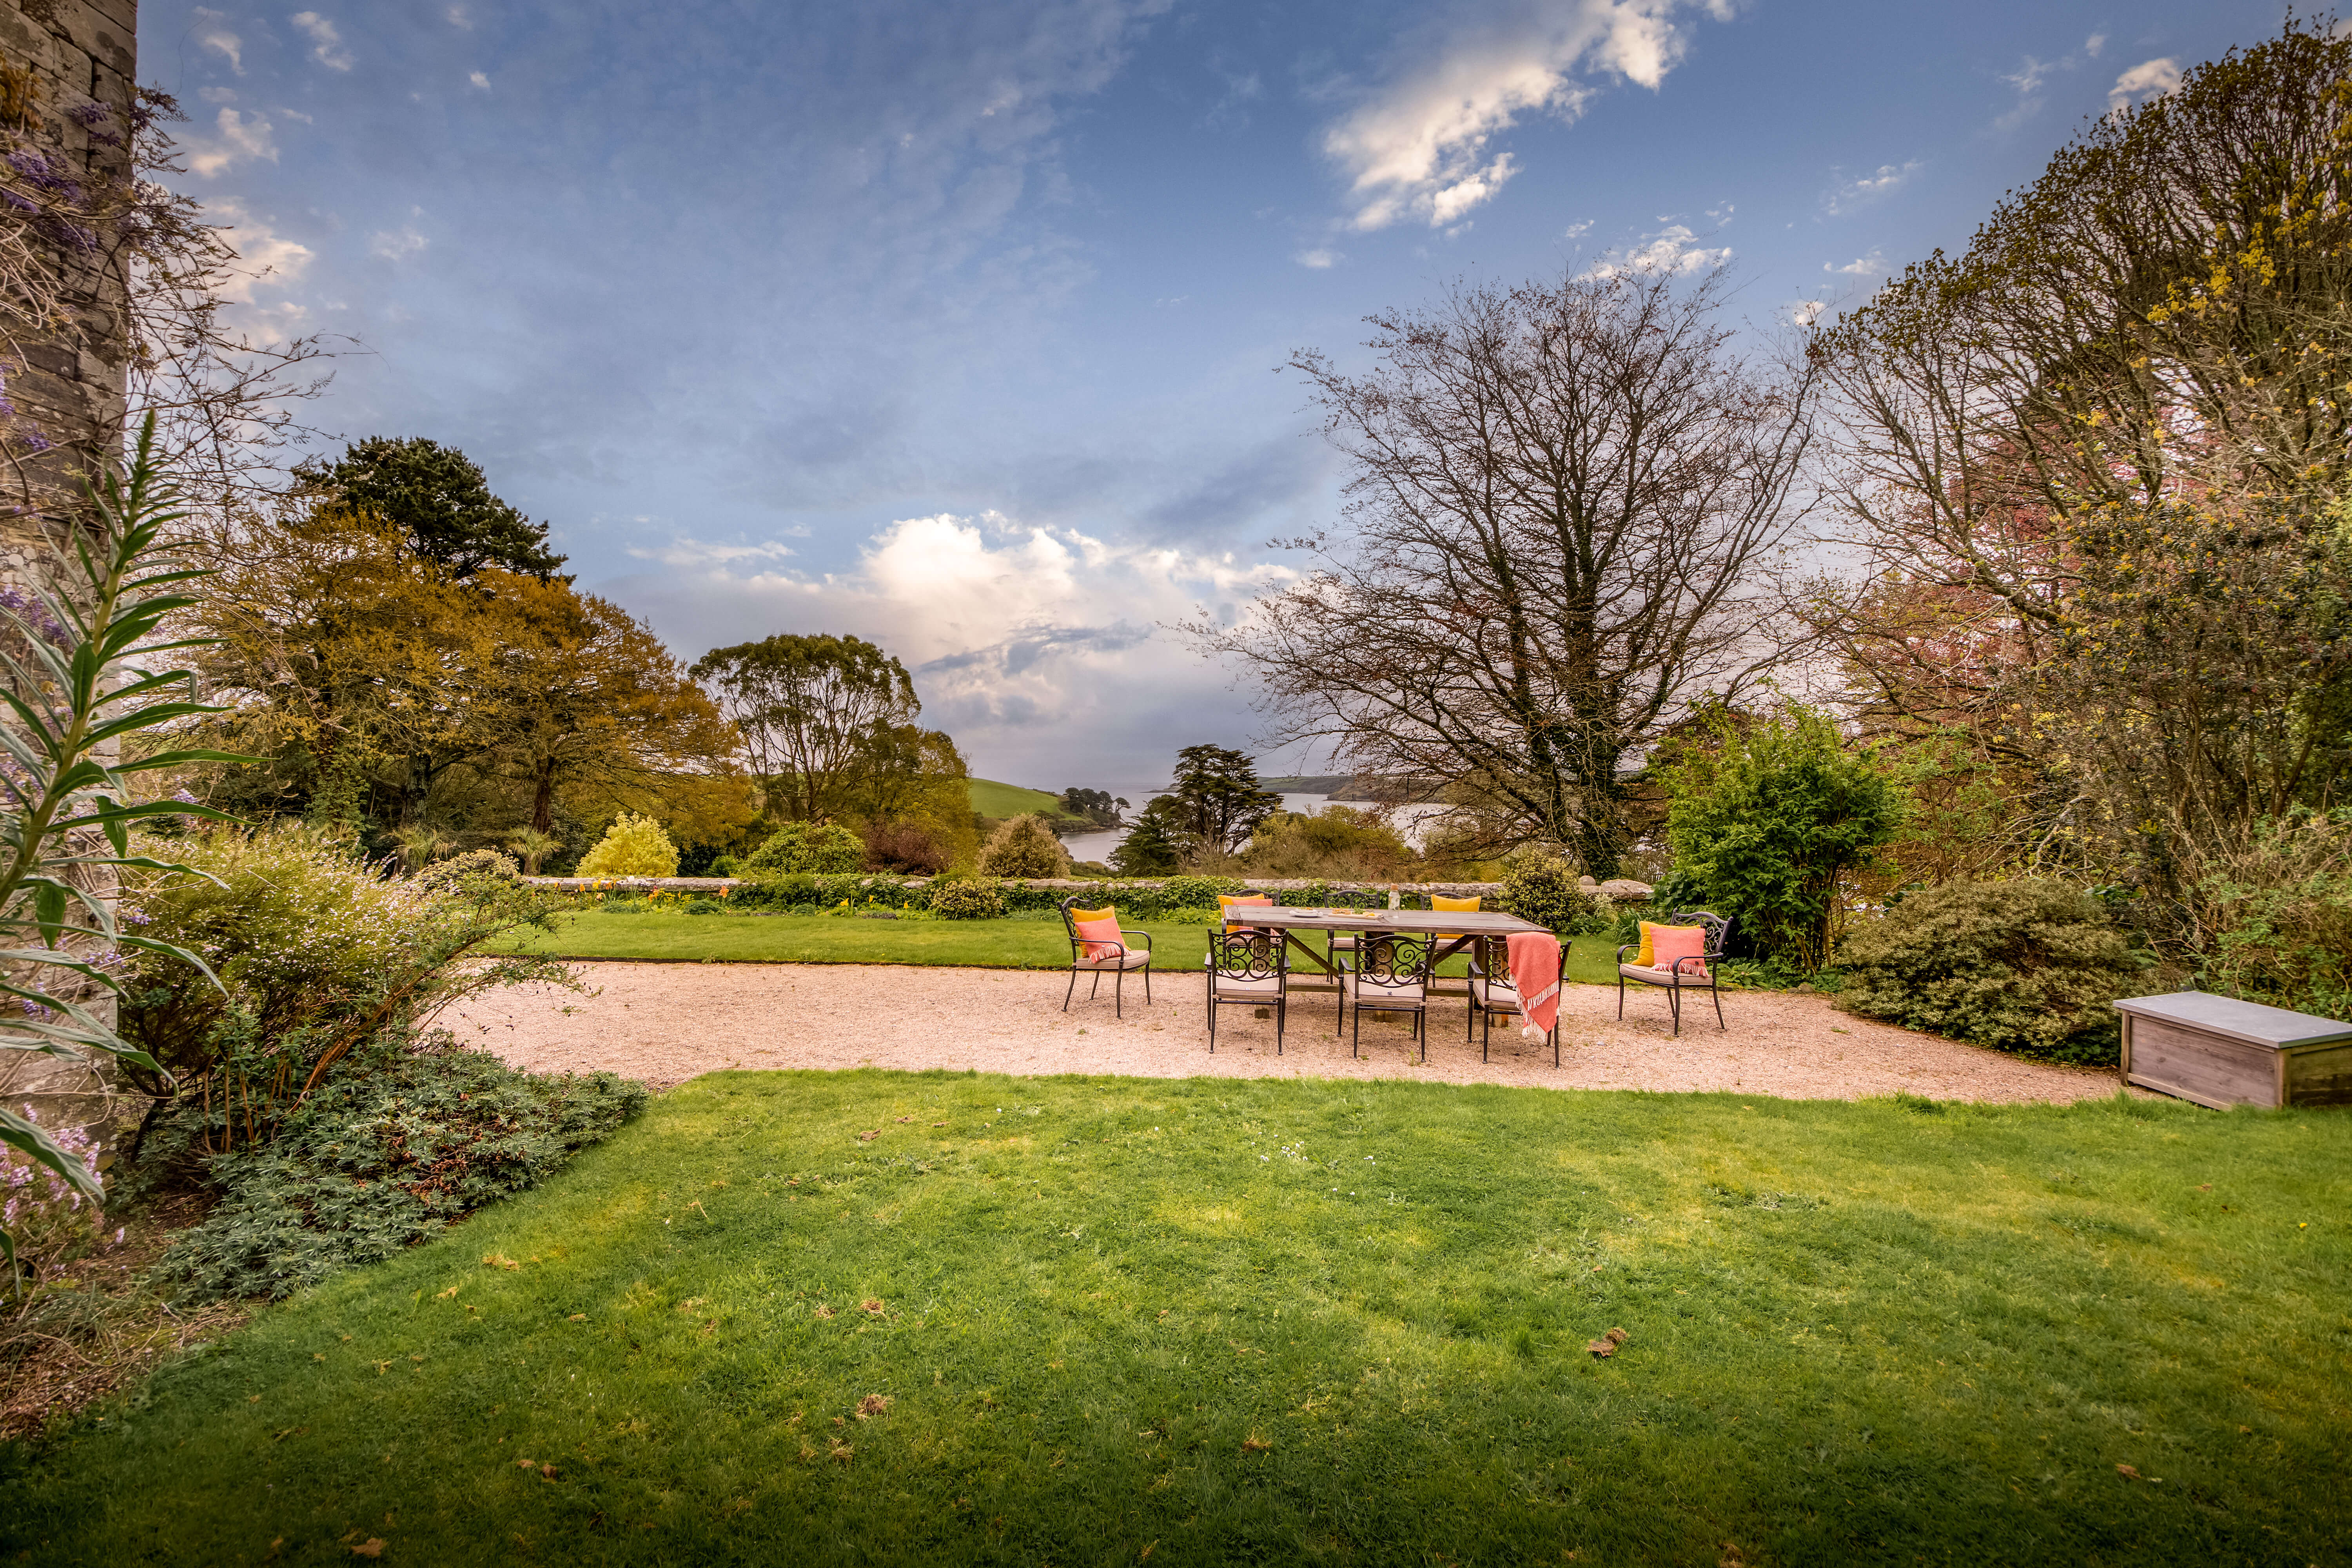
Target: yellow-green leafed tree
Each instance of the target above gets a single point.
(633, 846)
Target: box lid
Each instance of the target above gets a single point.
(2248, 1021)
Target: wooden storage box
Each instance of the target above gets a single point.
(2221, 1052)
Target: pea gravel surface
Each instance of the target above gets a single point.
(665, 1023)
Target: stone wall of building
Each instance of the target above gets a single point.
(68, 70)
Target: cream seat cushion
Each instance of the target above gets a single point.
(1132, 958)
(1239, 989)
(1652, 976)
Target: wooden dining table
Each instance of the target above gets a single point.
(1462, 927)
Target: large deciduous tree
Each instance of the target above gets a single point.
(813, 710)
(1560, 499)
(2097, 473)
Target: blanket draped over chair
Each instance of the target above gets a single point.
(1535, 975)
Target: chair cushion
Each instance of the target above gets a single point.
(1108, 913)
(1498, 993)
(1669, 944)
(1648, 957)
(1649, 975)
(1132, 958)
(1100, 938)
(1233, 986)
(1374, 993)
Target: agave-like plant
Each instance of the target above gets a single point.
(75, 683)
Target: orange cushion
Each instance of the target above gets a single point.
(1228, 900)
(1457, 904)
(1101, 939)
(1668, 944)
(1646, 956)
(1108, 913)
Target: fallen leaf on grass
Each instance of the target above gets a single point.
(872, 1307)
(2129, 1474)
(289, 1433)
(371, 1547)
(1254, 1443)
(906, 1118)
(527, 1464)
(1145, 1556)
(939, 1124)
(445, 1295)
(869, 1137)
(1606, 1346)
(577, 1318)
(873, 1404)
(841, 1452)
(823, 1312)
(499, 1260)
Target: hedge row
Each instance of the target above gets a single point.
(1134, 900)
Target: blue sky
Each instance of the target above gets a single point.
(954, 324)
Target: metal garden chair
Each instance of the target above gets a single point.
(1248, 969)
(1494, 993)
(1389, 973)
(1679, 978)
(1118, 964)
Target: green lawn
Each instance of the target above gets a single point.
(831, 938)
(991, 798)
(1235, 1321)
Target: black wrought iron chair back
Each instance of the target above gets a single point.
(1251, 968)
(1118, 964)
(1682, 976)
(1495, 992)
(1390, 972)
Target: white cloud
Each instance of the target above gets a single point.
(327, 44)
(2149, 78)
(1805, 312)
(241, 138)
(1318, 259)
(692, 553)
(217, 94)
(1577, 230)
(481, 80)
(459, 17)
(209, 34)
(1859, 192)
(1670, 250)
(2094, 44)
(1869, 265)
(1417, 148)
(267, 262)
(396, 245)
(1018, 636)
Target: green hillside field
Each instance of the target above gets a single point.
(991, 798)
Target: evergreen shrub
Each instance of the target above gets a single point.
(1025, 847)
(967, 898)
(1541, 885)
(816, 848)
(380, 1157)
(2029, 966)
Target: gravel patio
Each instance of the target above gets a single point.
(665, 1023)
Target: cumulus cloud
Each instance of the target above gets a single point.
(480, 80)
(210, 34)
(1672, 250)
(1805, 312)
(2149, 78)
(268, 264)
(1019, 636)
(241, 137)
(1418, 147)
(1577, 230)
(1869, 265)
(1860, 192)
(327, 45)
(1318, 258)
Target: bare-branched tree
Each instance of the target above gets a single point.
(1562, 500)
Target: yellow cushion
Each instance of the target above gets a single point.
(1228, 900)
(1457, 904)
(1108, 913)
(1648, 957)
